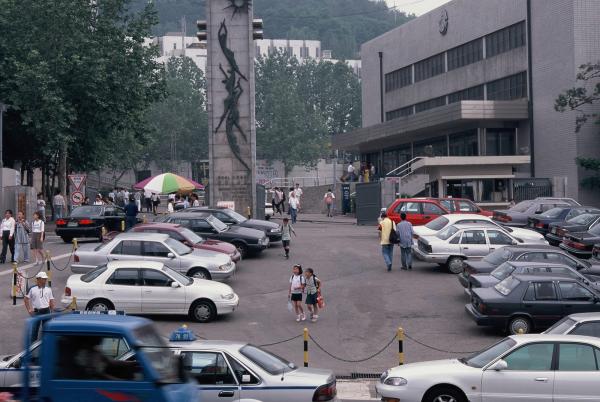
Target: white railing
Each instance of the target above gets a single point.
(406, 169)
(286, 182)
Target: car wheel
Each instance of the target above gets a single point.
(519, 325)
(100, 305)
(242, 248)
(203, 311)
(67, 239)
(200, 273)
(444, 394)
(455, 265)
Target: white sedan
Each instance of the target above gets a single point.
(146, 287)
(443, 221)
(540, 368)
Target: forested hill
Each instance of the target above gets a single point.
(341, 25)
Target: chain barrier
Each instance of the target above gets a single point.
(353, 360)
(283, 341)
(67, 264)
(438, 349)
(20, 273)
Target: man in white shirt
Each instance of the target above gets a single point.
(59, 205)
(7, 233)
(294, 205)
(350, 172)
(39, 300)
(148, 200)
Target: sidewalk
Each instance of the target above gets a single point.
(319, 218)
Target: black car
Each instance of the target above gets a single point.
(522, 303)
(230, 217)
(88, 221)
(531, 253)
(541, 222)
(246, 240)
(589, 276)
(581, 244)
(581, 223)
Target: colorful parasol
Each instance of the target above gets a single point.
(168, 183)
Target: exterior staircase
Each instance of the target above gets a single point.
(410, 180)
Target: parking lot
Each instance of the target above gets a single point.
(365, 304)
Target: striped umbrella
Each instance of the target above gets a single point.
(168, 183)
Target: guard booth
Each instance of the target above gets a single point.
(368, 203)
(261, 197)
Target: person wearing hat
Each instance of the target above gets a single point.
(39, 300)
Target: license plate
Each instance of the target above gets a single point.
(554, 230)
(72, 224)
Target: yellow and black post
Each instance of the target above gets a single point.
(122, 226)
(14, 287)
(400, 336)
(48, 262)
(305, 347)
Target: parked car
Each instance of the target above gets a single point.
(420, 211)
(581, 223)
(541, 222)
(581, 244)
(596, 254)
(230, 217)
(88, 221)
(585, 275)
(441, 222)
(235, 371)
(540, 368)
(246, 240)
(586, 324)
(518, 215)
(148, 287)
(457, 243)
(157, 247)
(531, 253)
(189, 238)
(522, 303)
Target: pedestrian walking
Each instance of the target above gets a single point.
(283, 199)
(286, 236)
(406, 235)
(148, 200)
(38, 236)
(131, 211)
(7, 230)
(293, 204)
(138, 200)
(299, 192)
(41, 205)
(329, 199)
(22, 244)
(59, 204)
(297, 284)
(350, 171)
(155, 203)
(386, 227)
(98, 200)
(277, 195)
(313, 288)
(39, 301)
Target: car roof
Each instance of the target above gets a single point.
(545, 278)
(457, 217)
(141, 236)
(527, 338)
(96, 323)
(197, 215)
(473, 226)
(208, 344)
(584, 317)
(135, 264)
(158, 225)
(519, 264)
(534, 247)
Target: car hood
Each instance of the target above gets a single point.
(481, 267)
(218, 246)
(204, 285)
(528, 236)
(309, 377)
(243, 231)
(214, 257)
(429, 369)
(260, 224)
(484, 281)
(423, 231)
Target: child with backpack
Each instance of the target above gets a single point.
(329, 199)
(286, 236)
(313, 288)
(297, 285)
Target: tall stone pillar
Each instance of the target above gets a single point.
(231, 90)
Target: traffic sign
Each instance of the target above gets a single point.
(77, 180)
(77, 197)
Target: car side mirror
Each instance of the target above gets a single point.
(170, 255)
(539, 211)
(246, 378)
(175, 285)
(17, 363)
(514, 242)
(499, 365)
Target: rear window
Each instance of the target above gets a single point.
(595, 230)
(503, 271)
(507, 285)
(447, 233)
(438, 223)
(583, 219)
(561, 327)
(553, 213)
(498, 257)
(90, 276)
(86, 210)
(522, 206)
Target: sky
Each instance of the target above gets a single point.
(417, 7)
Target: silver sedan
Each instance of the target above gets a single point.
(196, 263)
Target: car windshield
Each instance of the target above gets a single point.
(100, 246)
(177, 276)
(507, 285)
(86, 211)
(583, 219)
(269, 362)
(483, 358)
(178, 247)
(191, 236)
(90, 276)
(497, 257)
(447, 233)
(217, 224)
(522, 206)
(503, 271)
(438, 223)
(561, 326)
(238, 218)
(161, 358)
(552, 213)
(595, 230)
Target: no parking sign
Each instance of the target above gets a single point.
(77, 189)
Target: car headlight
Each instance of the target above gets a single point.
(274, 230)
(383, 376)
(225, 266)
(265, 241)
(395, 381)
(228, 296)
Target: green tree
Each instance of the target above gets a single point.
(581, 99)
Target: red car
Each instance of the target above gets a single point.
(419, 211)
(189, 238)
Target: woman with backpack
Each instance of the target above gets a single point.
(297, 285)
(313, 288)
(329, 198)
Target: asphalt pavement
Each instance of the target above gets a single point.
(365, 305)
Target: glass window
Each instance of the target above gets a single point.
(503, 271)
(430, 67)
(433, 147)
(430, 104)
(398, 113)
(464, 144)
(508, 88)
(534, 357)
(90, 276)
(559, 258)
(151, 277)
(583, 219)
(530, 293)
(267, 361)
(506, 286)
(241, 371)
(500, 142)
(155, 249)
(448, 232)
(473, 93)
(553, 213)
(573, 291)
(124, 276)
(429, 208)
(545, 291)
(438, 223)
(561, 326)
(591, 328)
(494, 190)
(208, 368)
(505, 39)
(466, 206)
(398, 79)
(86, 211)
(409, 207)
(498, 237)
(576, 357)
(497, 257)
(480, 359)
(473, 237)
(128, 247)
(466, 54)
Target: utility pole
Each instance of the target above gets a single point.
(2, 110)
(183, 33)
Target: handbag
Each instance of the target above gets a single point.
(320, 301)
(290, 306)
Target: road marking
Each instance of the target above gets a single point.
(25, 267)
(355, 390)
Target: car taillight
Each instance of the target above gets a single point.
(578, 245)
(481, 307)
(67, 291)
(540, 225)
(75, 258)
(86, 222)
(325, 392)
(61, 222)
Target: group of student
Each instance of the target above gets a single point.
(19, 236)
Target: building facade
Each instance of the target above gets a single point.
(460, 101)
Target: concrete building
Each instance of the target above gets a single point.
(302, 49)
(460, 101)
(174, 44)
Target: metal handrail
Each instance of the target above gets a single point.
(291, 181)
(406, 168)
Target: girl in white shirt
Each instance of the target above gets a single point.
(37, 237)
(297, 284)
(7, 232)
